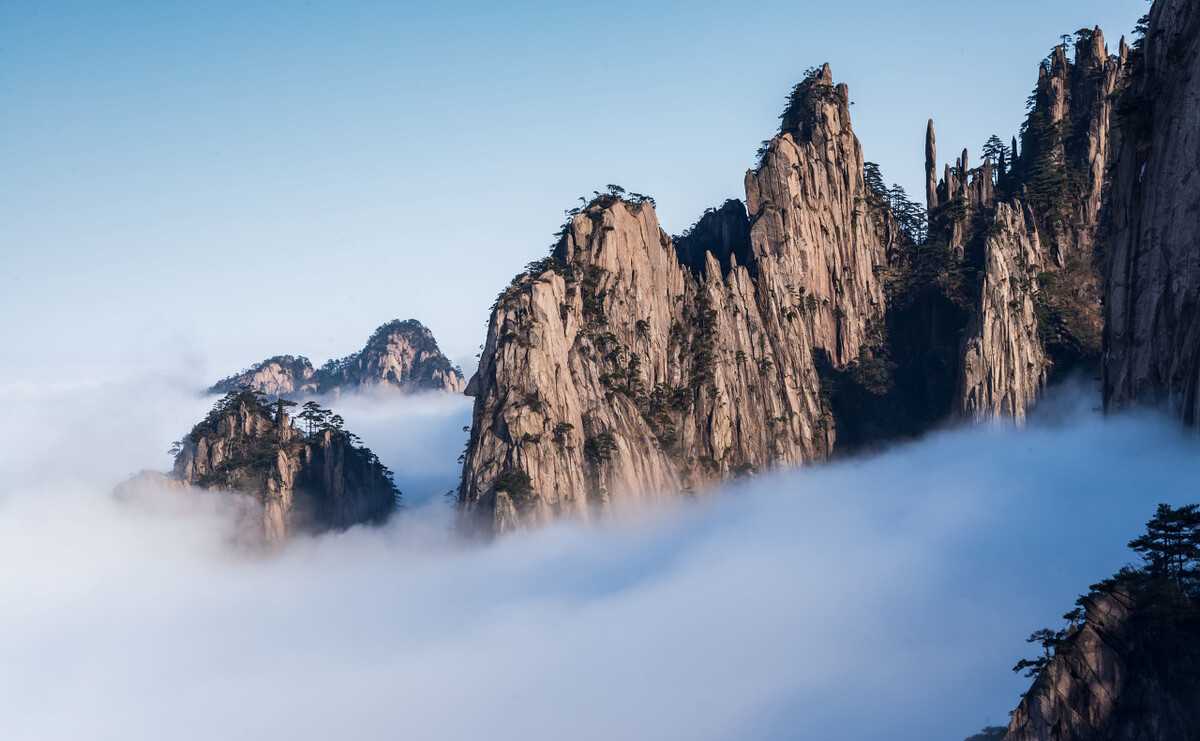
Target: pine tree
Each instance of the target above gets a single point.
(874, 180)
(1171, 544)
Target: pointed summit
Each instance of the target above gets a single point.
(931, 195)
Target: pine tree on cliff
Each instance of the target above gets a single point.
(873, 179)
(281, 407)
(315, 417)
(994, 149)
(996, 152)
(1171, 543)
(1167, 584)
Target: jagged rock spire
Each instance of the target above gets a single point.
(931, 194)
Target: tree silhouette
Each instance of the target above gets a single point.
(1171, 544)
(874, 180)
(281, 406)
(1166, 587)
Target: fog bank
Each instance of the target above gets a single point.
(884, 597)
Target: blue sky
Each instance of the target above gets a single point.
(224, 182)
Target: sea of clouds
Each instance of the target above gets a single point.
(882, 597)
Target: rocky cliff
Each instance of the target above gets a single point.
(1152, 311)
(275, 376)
(1127, 666)
(818, 318)
(1017, 235)
(1108, 682)
(400, 354)
(307, 480)
(1068, 144)
(1003, 364)
(988, 256)
(629, 364)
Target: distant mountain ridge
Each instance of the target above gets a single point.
(399, 354)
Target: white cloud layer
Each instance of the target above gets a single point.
(877, 598)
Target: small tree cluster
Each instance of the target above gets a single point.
(910, 216)
(1167, 583)
(316, 419)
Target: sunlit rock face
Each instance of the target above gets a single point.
(1152, 307)
(810, 321)
(307, 478)
(275, 376)
(1126, 671)
(401, 355)
(630, 364)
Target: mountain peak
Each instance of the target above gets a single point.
(400, 354)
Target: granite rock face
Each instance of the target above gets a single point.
(1070, 129)
(305, 482)
(1020, 232)
(628, 364)
(401, 355)
(1152, 307)
(1126, 673)
(275, 376)
(814, 231)
(811, 321)
(1063, 173)
(1003, 364)
(992, 254)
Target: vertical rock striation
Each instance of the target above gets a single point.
(305, 482)
(1019, 237)
(986, 253)
(1067, 144)
(628, 364)
(1124, 673)
(813, 229)
(1152, 307)
(1003, 364)
(809, 321)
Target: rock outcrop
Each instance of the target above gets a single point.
(1004, 367)
(276, 376)
(990, 255)
(629, 364)
(1127, 666)
(1152, 307)
(400, 354)
(1019, 237)
(306, 480)
(1066, 145)
(819, 318)
(1102, 685)
(1067, 149)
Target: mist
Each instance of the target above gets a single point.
(882, 597)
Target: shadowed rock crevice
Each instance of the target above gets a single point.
(1152, 307)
